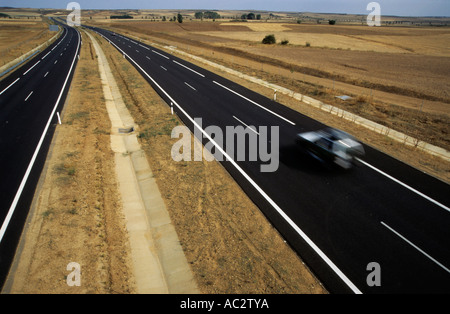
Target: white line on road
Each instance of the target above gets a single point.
(46, 74)
(29, 95)
(163, 67)
(160, 54)
(32, 67)
(250, 127)
(404, 185)
(255, 103)
(417, 248)
(189, 68)
(46, 55)
(148, 58)
(56, 62)
(36, 152)
(257, 187)
(10, 86)
(190, 86)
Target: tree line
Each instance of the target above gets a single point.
(207, 15)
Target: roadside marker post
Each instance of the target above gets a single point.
(59, 118)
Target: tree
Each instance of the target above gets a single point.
(331, 22)
(269, 40)
(180, 18)
(211, 15)
(199, 15)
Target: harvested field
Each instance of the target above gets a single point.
(412, 80)
(409, 108)
(19, 37)
(412, 62)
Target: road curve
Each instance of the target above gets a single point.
(30, 99)
(339, 222)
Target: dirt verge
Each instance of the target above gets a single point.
(76, 215)
(230, 245)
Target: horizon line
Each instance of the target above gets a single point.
(242, 10)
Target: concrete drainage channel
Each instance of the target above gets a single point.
(160, 265)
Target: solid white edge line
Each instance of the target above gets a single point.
(10, 86)
(32, 67)
(245, 125)
(46, 55)
(188, 68)
(404, 185)
(255, 103)
(261, 191)
(416, 247)
(36, 152)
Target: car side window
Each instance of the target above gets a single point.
(324, 143)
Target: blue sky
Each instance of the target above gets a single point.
(388, 7)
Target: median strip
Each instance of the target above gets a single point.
(156, 252)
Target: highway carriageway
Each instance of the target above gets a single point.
(339, 222)
(30, 99)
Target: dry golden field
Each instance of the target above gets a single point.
(411, 59)
(17, 37)
(398, 76)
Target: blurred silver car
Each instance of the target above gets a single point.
(331, 145)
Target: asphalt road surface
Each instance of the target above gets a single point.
(382, 227)
(30, 100)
